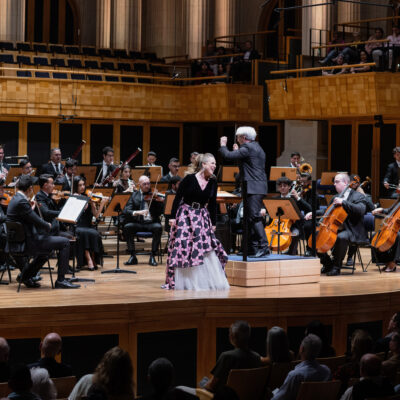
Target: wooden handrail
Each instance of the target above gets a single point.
(219, 56)
(368, 20)
(244, 34)
(349, 44)
(179, 56)
(289, 71)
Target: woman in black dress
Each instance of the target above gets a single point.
(89, 244)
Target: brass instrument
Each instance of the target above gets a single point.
(305, 168)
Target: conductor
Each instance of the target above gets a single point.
(251, 159)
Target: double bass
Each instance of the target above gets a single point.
(332, 220)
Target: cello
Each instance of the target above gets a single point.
(332, 220)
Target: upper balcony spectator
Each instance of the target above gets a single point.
(337, 71)
(375, 50)
(394, 44)
(363, 60)
(332, 52)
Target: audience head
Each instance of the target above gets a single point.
(20, 379)
(71, 166)
(79, 185)
(42, 385)
(248, 45)
(46, 183)
(239, 334)
(25, 183)
(394, 344)
(151, 157)
(341, 181)
(361, 343)
(340, 59)
(144, 184)
(161, 375)
(310, 347)
(108, 155)
(395, 30)
(51, 345)
(4, 350)
(278, 345)
(378, 33)
(173, 166)
(225, 393)
(370, 365)
(115, 372)
(174, 183)
(26, 166)
(394, 323)
(245, 134)
(363, 56)
(55, 155)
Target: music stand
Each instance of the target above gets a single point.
(88, 172)
(181, 171)
(12, 173)
(327, 178)
(227, 173)
(282, 208)
(114, 209)
(136, 173)
(169, 201)
(279, 172)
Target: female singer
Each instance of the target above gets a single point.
(124, 184)
(196, 258)
(89, 244)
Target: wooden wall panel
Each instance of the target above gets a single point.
(138, 102)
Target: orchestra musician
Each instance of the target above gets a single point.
(193, 156)
(151, 159)
(4, 167)
(252, 170)
(392, 176)
(54, 166)
(106, 166)
(38, 241)
(138, 217)
(173, 170)
(26, 170)
(89, 243)
(124, 184)
(3, 235)
(353, 229)
(295, 158)
(65, 181)
(286, 189)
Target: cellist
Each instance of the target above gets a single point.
(351, 231)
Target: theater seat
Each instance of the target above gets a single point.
(25, 74)
(41, 61)
(112, 78)
(124, 66)
(60, 75)
(40, 48)
(105, 52)
(24, 46)
(7, 58)
(80, 77)
(39, 74)
(57, 48)
(74, 63)
(6, 46)
(107, 65)
(72, 50)
(94, 77)
(91, 64)
(24, 60)
(57, 62)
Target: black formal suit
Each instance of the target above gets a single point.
(251, 159)
(110, 169)
(38, 242)
(49, 169)
(65, 183)
(353, 229)
(133, 224)
(4, 165)
(392, 177)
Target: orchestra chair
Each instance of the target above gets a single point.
(319, 390)
(278, 374)
(333, 363)
(64, 386)
(249, 384)
(4, 390)
(16, 235)
(5, 267)
(148, 235)
(204, 394)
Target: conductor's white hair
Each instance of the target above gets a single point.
(247, 131)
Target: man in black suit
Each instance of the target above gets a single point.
(54, 166)
(38, 242)
(392, 176)
(353, 229)
(173, 170)
(4, 167)
(138, 218)
(70, 171)
(106, 167)
(26, 170)
(295, 159)
(252, 170)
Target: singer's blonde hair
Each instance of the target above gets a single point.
(198, 163)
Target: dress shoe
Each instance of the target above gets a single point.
(262, 253)
(334, 272)
(240, 253)
(349, 262)
(36, 278)
(152, 261)
(325, 269)
(132, 260)
(308, 253)
(29, 283)
(64, 284)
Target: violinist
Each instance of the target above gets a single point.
(392, 176)
(137, 216)
(124, 184)
(352, 230)
(106, 166)
(65, 181)
(286, 189)
(54, 166)
(89, 243)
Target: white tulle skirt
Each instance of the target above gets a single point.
(207, 276)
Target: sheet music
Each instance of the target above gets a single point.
(72, 209)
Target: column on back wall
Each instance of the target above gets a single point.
(196, 17)
(12, 20)
(103, 25)
(349, 12)
(316, 21)
(225, 17)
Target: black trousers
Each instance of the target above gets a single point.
(42, 249)
(131, 228)
(257, 238)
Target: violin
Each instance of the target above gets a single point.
(5, 199)
(332, 220)
(57, 195)
(155, 196)
(96, 197)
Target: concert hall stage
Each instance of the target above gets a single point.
(129, 305)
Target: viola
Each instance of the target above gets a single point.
(5, 199)
(286, 238)
(332, 220)
(96, 197)
(156, 196)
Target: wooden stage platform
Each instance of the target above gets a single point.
(127, 305)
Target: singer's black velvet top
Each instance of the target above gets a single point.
(189, 192)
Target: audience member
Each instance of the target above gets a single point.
(371, 384)
(241, 357)
(20, 383)
(332, 52)
(374, 50)
(42, 385)
(392, 364)
(173, 170)
(363, 60)
(382, 345)
(309, 370)
(337, 71)
(4, 366)
(277, 347)
(50, 347)
(113, 375)
(316, 327)
(394, 43)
